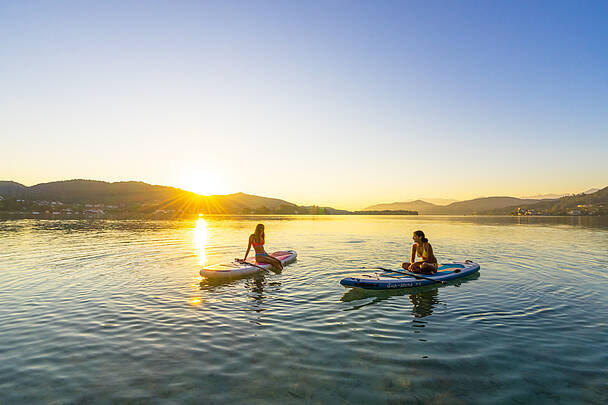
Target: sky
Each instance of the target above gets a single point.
(335, 103)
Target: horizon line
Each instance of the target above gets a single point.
(423, 199)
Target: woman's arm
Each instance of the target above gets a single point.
(413, 255)
(248, 247)
(413, 258)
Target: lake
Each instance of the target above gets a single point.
(94, 312)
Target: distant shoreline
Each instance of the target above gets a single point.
(16, 215)
(24, 215)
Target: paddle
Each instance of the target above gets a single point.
(255, 265)
(413, 275)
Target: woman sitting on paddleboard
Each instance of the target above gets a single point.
(423, 249)
(257, 240)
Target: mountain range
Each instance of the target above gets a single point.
(134, 196)
(500, 205)
(556, 196)
(586, 203)
(474, 206)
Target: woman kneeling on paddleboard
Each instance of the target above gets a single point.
(257, 240)
(422, 248)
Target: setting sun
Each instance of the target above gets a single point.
(203, 183)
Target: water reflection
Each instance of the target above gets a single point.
(423, 299)
(255, 298)
(499, 220)
(260, 285)
(256, 286)
(106, 225)
(423, 303)
(133, 287)
(201, 237)
(217, 285)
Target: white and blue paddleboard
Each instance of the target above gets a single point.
(236, 269)
(387, 280)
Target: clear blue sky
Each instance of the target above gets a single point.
(338, 103)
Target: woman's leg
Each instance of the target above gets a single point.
(415, 267)
(270, 260)
(428, 268)
(405, 265)
(277, 263)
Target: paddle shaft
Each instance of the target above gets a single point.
(255, 265)
(413, 275)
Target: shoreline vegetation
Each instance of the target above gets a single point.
(100, 214)
(89, 199)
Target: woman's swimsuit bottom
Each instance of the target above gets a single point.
(261, 254)
(435, 265)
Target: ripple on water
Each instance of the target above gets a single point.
(107, 311)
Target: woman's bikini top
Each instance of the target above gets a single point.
(256, 244)
(424, 254)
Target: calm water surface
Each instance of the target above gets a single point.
(114, 311)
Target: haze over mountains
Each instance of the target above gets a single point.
(483, 205)
(457, 208)
(438, 201)
(555, 196)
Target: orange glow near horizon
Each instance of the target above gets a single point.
(201, 237)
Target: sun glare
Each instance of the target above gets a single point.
(203, 183)
(201, 236)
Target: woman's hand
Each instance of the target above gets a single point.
(414, 265)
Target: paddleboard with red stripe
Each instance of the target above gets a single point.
(236, 269)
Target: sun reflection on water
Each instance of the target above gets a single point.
(201, 237)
